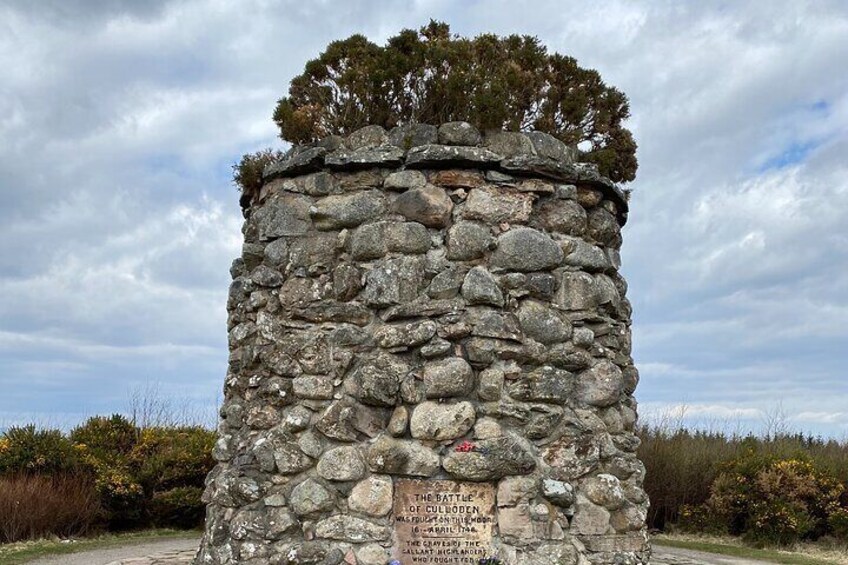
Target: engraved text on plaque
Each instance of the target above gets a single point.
(442, 522)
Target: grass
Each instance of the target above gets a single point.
(807, 554)
(21, 552)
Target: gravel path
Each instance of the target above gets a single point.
(181, 552)
(676, 556)
(161, 552)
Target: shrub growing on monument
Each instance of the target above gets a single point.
(431, 76)
(247, 174)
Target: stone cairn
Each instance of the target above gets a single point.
(428, 303)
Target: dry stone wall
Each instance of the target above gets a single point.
(428, 303)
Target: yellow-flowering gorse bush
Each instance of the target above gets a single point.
(770, 500)
(137, 476)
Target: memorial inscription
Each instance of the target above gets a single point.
(442, 522)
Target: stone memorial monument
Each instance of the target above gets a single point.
(429, 359)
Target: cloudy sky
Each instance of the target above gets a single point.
(120, 119)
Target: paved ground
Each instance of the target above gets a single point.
(675, 556)
(163, 552)
(181, 551)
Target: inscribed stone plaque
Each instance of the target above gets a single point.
(442, 522)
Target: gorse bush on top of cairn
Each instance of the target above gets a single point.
(247, 173)
(431, 76)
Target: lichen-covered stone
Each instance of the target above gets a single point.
(441, 155)
(310, 497)
(545, 384)
(401, 457)
(305, 161)
(588, 257)
(509, 143)
(549, 146)
(266, 276)
(412, 135)
(497, 206)
(276, 253)
(552, 554)
(350, 529)
(316, 387)
(347, 282)
(526, 249)
(590, 519)
(578, 291)
(289, 458)
(458, 133)
(603, 227)
(468, 240)
(393, 281)
(404, 180)
(372, 496)
(405, 335)
(366, 137)
(341, 464)
(286, 215)
(491, 460)
(382, 156)
(542, 323)
(336, 422)
(376, 381)
(447, 283)
(600, 385)
(372, 241)
(315, 253)
(398, 421)
(448, 377)
(560, 493)
(453, 178)
(372, 554)
(428, 205)
(491, 384)
(440, 422)
(516, 490)
(561, 215)
(480, 287)
(347, 210)
(570, 457)
(604, 490)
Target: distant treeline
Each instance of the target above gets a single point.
(776, 488)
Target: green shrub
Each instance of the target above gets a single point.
(165, 458)
(30, 450)
(180, 507)
(105, 437)
(431, 76)
(247, 174)
(121, 496)
(838, 522)
(771, 501)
